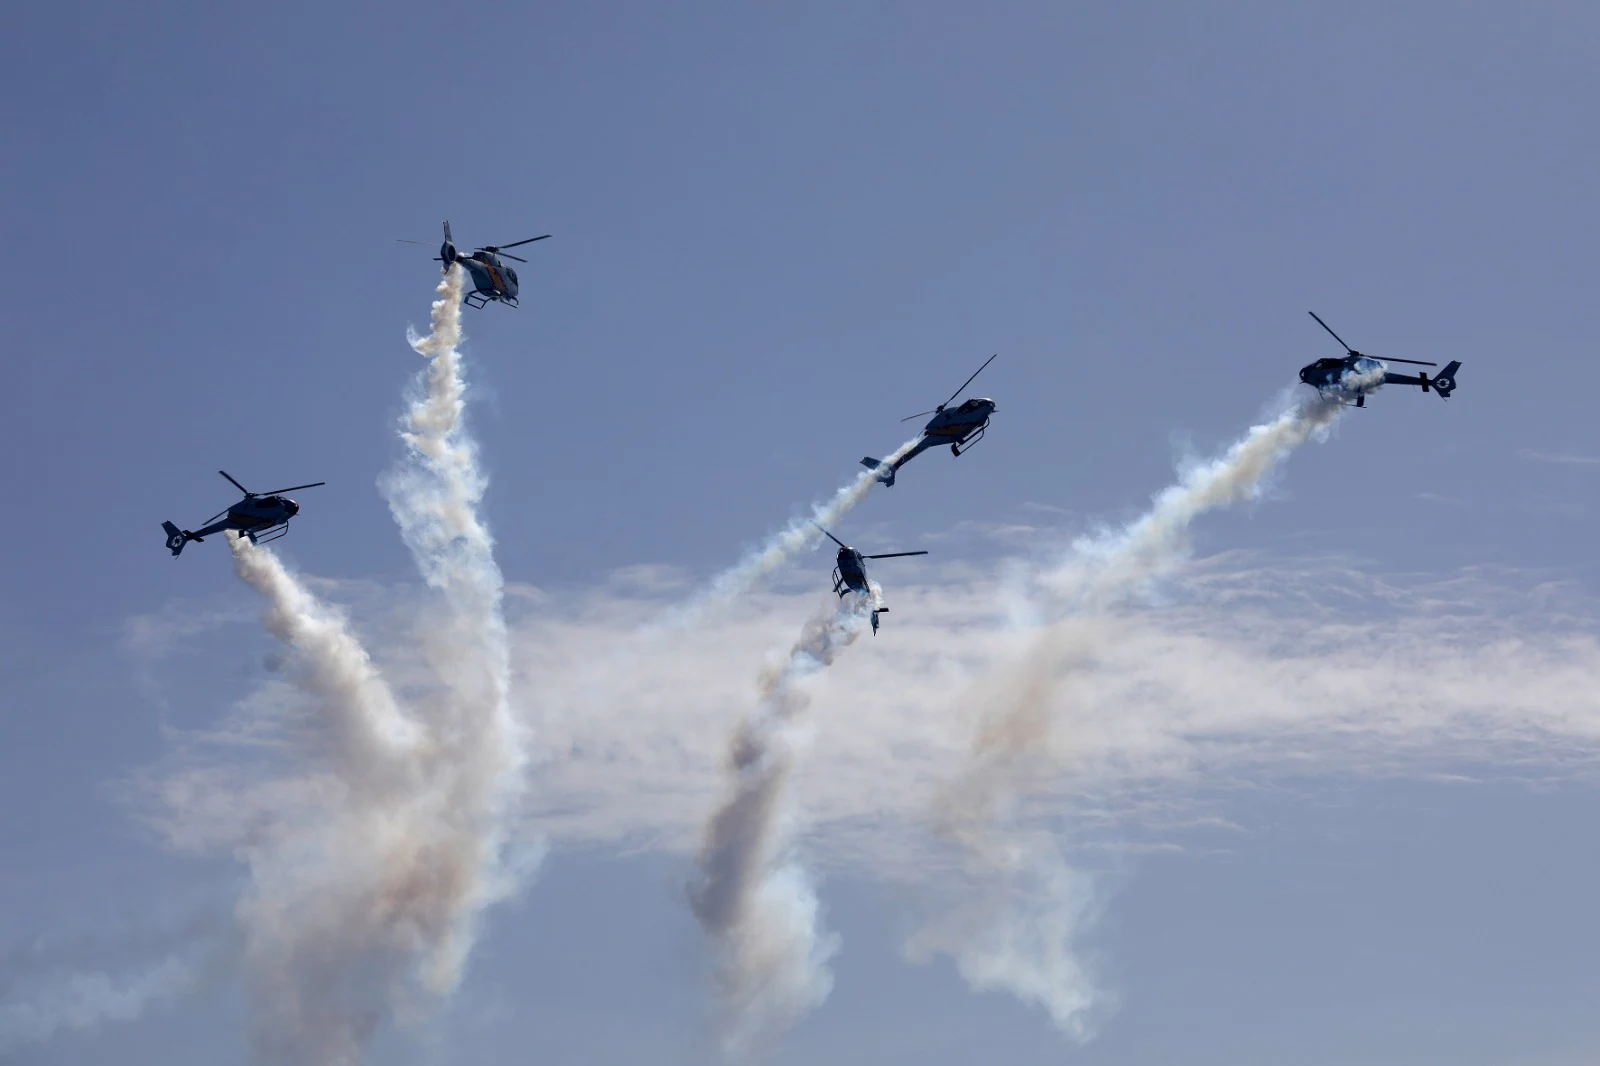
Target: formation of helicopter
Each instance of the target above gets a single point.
(264, 516)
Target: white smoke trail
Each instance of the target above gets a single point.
(389, 838)
(753, 898)
(1104, 568)
(1028, 906)
(434, 497)
(353, 881)
(1017, 928)
(1365, 376)
(87, 999)
(54, 983)
(780, 546)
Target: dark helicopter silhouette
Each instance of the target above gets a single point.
(1358, 374)
(850, 574)
(492, 280)
(960, 428)
(261, 516)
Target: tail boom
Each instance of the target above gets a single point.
(1444, 382)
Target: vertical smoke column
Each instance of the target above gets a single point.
(1025, 905)
(753, 898)
(344, 886)
(434, 495)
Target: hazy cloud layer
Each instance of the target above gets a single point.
(1249, 673)
(1249, 667)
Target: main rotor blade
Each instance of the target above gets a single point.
(214, 517)
(402, 240)
(530, 240)
(908, 418)
(508, 255)
(1335, 336)
(892, 555)
(1418, 362)
(831, 537)
(291, 488)
(965, 383)
(236, 485)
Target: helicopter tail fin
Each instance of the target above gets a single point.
(1444, 383)
(177, 538)
(447, 250)
(884, 470)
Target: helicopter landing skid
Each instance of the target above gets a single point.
(479, 299)
(965, 445)
(268, 535)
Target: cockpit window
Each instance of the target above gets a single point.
(512, 274)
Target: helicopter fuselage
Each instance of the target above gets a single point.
(271, 510)
(253, 516)
(492, 279)
(959, 427)
(958, 423)
(1357, 376)
(850, 575)
(850, 572)
(259, 516)
(1354, 375)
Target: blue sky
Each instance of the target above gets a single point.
(776, 232)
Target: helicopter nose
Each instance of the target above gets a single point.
(294, 508)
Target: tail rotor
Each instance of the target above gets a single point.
(447, 250)
(1444, 383)
(176, 538)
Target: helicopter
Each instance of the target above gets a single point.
(491, 279)
(261, 516)
(960, 428)
(1358, 374)
(850, 574)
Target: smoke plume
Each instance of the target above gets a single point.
(1105, 568)
(354, 876)
(382, 834)
(434, 496)
(753, 899)
(87, 999)
(1026, 906)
